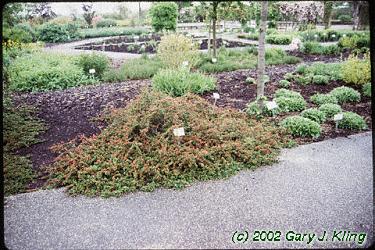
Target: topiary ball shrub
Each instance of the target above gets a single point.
(181, 81)
(284, 83)
(366, 89)
(346, 94)
(320, 99)
(301, 126)
(98, 62)
(352, 121)
(139, 151)
(330, 109)
(320, 80)
(314, 114)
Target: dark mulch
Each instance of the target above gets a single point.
(69, 113)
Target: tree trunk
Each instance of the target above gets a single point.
(261, 54)
(356, 6)
(327, 14)
(209, 38)
(214, 18)
(139, 12)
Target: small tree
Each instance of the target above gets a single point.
(88, 13)
(261, 53)
(164, 16)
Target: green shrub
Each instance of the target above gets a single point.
(276, 56)
(345, 18)
(112, 31)
(284, 83)
(357, 71)
(51, 32)
(352, 121)
(106, 23)
(175, 49)
(181, 81)
(366, 89)
(279, 39)
(314, 114)
(289, 76)
(321, 80)
(287, 93)
(354, 42)
(46, 71)
(253, 110)
(290, 104)
(250, 80)
(164, 16)
(303, 80)
(95, 61)
(345, 94)
(301, 126)
(138, 151)
(316, 48)
(320, 99)
(301, 69)
(138, 68)
(330, 109)
(333, 70)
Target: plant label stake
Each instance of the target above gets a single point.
(272, 105)
(337, 118)
(179, 132)
(216, 96)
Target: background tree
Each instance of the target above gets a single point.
(328, 5)
(360, 14)
(12, 14)
(88, 14)
(164, 16)
(39, 12)
(261, 54)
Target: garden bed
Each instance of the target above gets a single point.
(147, 45)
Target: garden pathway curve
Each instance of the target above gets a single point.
(323, 186)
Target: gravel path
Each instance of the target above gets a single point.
(322, 186)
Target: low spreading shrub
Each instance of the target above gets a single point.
(98, 62)
(289, 76)
(354, 42)
(345, 94)
(301, 69)
(106, 23)
(284, 83)
(366, 89)
(253, 109)
(357, 71)
(289, 104)
(316, 48)
(303, 79)
(320, 80)
(276, 56)
(330, 109)
(287, 93)
(301, 126)
(314, 114)
(175, 49)
(112, 31)
(352, 121)
(46, 71)
(332, 70)
(181, 81)
(320, 99)
(279, 39)
(138, 151)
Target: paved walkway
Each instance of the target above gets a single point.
(319, 187)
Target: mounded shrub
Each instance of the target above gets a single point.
(314, 114)
(106, 23)
(345, 94)
(333, 70)
(138, 149)
(352, 121)
(320, 99)
(366, 89)
(289, 76)
(52, 32)
(279, 39)
(284, 83)
(181, 81)
(287, 93)
(330, 109)
(320, 80)
(301, 126)
(357, 71)
(290, 104)
(96, 61)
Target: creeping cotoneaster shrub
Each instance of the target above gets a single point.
(139, 151)
(330, 109)
(181, 81)
(314, 114)
(176, 49)
(352, 121)
(320, 99)
(345, 94)
(366, 89)
(301, 126)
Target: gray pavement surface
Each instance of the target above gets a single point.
(318, 187)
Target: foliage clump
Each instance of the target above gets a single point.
(314, 114)
(164, 16)
(98, 62)
(345, 94)
(366, 89)
(357, 71)
(330, 109)
(138, 150)
(301, 126)
(320, 99)
(289, 101)
(352, 121)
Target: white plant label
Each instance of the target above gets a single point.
(179, 131)
(271, 105)
(214, 60)
(92, 71)
(216, 95)
(185, 63)
(338, 117)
